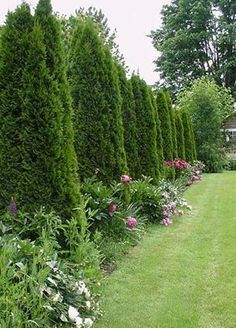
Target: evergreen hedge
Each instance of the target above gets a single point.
(146, 129)
(99, 140)
(33, 156)
(129, 123)
(164, 116)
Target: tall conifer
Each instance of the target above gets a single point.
(36, 175)
(165, 121)
(180, 135)
(129, 123)
(172, 121)
(188, 137)
(159, 134)
(99, 139)
(146, 129)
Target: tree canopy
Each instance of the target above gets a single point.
(197, 38)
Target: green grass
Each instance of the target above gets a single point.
(183, 275)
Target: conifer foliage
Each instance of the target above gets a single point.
(164, 116)
(34, 164)
(129, 123)
(146, 129)
(173, 127)
(189, 141)
(99, 140)
(180, 135)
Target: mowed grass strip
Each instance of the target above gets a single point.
(183, 275)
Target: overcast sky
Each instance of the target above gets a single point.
(133, 20)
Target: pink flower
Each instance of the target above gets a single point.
(131, 222)
(180, 212)
(173, 206)
(112, 207)
(125, 179)
(165, 195)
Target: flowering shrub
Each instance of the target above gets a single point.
(148, 197)
(45, 285)
(178, 164)
(172, 201)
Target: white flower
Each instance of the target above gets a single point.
(57, 298)
(73, 313)
(88, 305)
(78, 322)
(189, 207)
(63, 318)
(87, 293)
(81, 286)
(88, 322)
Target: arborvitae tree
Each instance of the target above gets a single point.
(173, 128)
(180, 135)
(193, 138)
(129, 123)
(99, 139)
(30, 126)
(14, 50)
(159, 134)
(146, 128)
(56, 64)
(188, 137)
(164, 117)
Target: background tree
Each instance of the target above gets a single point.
(188, 136)
(99, 140)
(164, 116)
(207, 103)
(180, 135)
(146, 128)
(197, 38)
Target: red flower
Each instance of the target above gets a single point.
(112, 207)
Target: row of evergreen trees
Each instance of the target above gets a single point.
(60, 115)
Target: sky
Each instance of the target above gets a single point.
(132, 19)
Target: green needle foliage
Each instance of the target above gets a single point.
(14, 50)
(129, 123)
(99, 140)
(180, 135)
(159, 133)
(164, 116)
(173, 127)
(188, 137)
(37, 172)
(146, 127)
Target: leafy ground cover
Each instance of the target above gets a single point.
(183, 275)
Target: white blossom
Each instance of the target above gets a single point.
(88, 305)
(88, 322)
(73, 313)
(78, 322)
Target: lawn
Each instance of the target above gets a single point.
(183, 275)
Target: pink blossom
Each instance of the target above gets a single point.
(173, 206)
(125, 179)
(165, 195)
(131, 222)
(180, 212)
(112, 207)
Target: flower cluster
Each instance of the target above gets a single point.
(131, 222)
(178, 164)
(59, 285)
